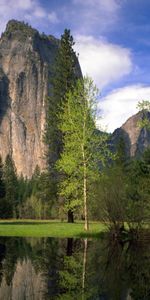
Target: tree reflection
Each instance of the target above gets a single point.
(123, 270)
(70, 274)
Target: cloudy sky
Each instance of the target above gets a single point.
(113, 41)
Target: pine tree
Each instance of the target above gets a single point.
(83, 149)
(11, 185)
(64, 77)
(121, 157)
(2, 185)
(3, 205)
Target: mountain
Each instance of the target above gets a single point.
(136, 139)
(26, 59)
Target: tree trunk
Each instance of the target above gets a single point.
(86, 224)
(70, 216)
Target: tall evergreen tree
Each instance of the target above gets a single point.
(2, 185)
(64, 77)
(3, 206)
(11, 185)
(121, 156)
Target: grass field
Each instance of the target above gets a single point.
(40, 228)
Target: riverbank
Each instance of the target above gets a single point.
(46, 228)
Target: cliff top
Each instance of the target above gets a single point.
(24, 30)
(133, 120)
(16, 27)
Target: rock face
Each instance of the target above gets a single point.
(26, 60)
(136, 139)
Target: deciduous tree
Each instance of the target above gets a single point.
(84, 151)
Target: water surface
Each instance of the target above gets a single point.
(73, 269)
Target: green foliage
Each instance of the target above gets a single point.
(3, 204)
(83, 149)
(124, 193)
(64, 78)
(32, 208)
(70, 277)
(138, 190)
(144, 106)
(2, 185)
(36, 198)
(121, 158)
(11, 186)
(112, 196)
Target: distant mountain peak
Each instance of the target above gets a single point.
(136, 139)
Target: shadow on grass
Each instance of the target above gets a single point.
(27, 223)
(39, 222)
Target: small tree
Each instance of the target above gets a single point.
(83, 148)
(144, 106)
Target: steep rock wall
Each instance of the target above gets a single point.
(26, 60)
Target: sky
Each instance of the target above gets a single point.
(112, 38)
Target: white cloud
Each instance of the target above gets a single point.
(121, 104)
(103, 61)
(39, 12)
(27, 10)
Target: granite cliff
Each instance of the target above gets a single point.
(26, 59)
(136, 139)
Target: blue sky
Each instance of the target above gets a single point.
(113, 41)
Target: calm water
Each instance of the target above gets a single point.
(68, 269)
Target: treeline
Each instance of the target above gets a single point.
(23, 197)
(121, 194)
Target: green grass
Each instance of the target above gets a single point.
(40, 228)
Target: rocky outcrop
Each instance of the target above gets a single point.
(26, 60)
(136, 139)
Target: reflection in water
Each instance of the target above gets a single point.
(84, 266)
(67, 269)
